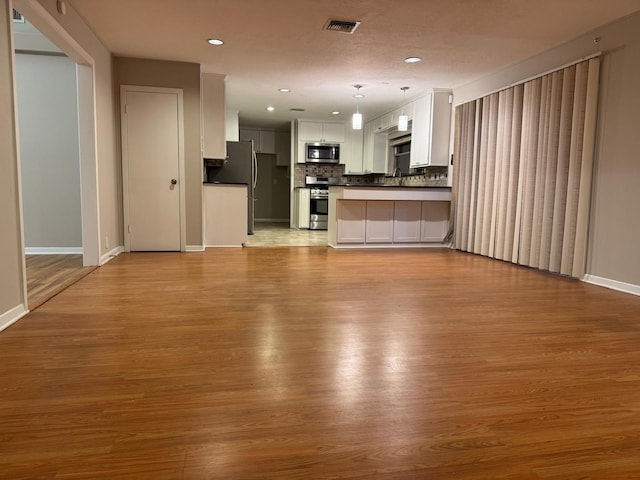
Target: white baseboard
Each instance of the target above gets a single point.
(194, 248)
(612, 284)
(53, 250)
(235, 245)
(111, 254)
(12, 316)
(371, 246)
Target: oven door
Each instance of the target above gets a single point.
(319, 212)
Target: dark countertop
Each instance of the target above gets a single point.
(225, 183)
(351, 185)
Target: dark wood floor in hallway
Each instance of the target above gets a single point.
(313, 363)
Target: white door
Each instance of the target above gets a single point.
(152, 164)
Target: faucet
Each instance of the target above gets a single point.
(398, 171)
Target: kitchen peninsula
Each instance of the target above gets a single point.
(370, 216)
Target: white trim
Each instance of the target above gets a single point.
(125, 159)
(111, 254)
(371, 246)
(12, 316)
(235, 245)
(612, 284)
(195, 248)
(53, 250)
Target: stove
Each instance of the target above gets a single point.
(319, 203)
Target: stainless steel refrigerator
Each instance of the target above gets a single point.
(240, 166)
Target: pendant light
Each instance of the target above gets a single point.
(356, 120)
(403, 120)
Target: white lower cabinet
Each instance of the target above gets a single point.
(379, 225)
(351, 217)
(304, 206)
(406, 221)
(435, 221)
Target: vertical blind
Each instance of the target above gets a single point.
(523, 170)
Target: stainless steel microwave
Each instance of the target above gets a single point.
(322, 152)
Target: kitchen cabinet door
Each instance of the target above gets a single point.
(283, 149)
(214, 143)
(434, 221)
(321, 132)
(351, 216)
(406, 221)
(351, 152)
(334, 132)
(379, 224)
(304, 207)
(264, 141)
(431, 129)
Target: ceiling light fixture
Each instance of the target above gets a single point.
(403, 120)
(335, 113)
(284, 90)
(215, 41)
(356, 120)
(412, 60)
(270, 108)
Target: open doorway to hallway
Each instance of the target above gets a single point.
(47, 103)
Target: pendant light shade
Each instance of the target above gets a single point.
(356, 120)
(403, 120)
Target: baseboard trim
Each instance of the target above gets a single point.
(612, 284)
(371, 246)
(111, 254)
(194, 248)
(53, 250)
(12, 316)
(235, 245)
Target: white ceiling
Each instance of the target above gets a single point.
(271, 44)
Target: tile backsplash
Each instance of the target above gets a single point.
(430, 177)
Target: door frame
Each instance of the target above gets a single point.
(124, 89)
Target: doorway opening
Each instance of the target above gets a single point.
(57, 159)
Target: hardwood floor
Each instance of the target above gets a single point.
(313, 363)
(48, 275)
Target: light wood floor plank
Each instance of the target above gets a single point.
(48, 275)
(313, 363)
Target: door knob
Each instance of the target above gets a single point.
(173, 181)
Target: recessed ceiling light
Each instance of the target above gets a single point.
(270, 108)
(284, 90)
(335, 113)
(412, 60)
(215, 41)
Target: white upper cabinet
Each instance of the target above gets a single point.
(431, 129)
(213, 116)
(351, 152)
(321, 132)
(264, 141)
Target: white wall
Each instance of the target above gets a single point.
(49, 156)
(613, 254)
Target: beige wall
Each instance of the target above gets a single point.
(11, 281)
(158, 73)
(615, 226)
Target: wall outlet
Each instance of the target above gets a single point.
(106, 242)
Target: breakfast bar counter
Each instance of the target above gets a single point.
(375, 216)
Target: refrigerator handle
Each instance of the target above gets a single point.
(255, 169)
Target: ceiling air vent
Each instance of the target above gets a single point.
(296, 109)
(344, 26)
(17, 16)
